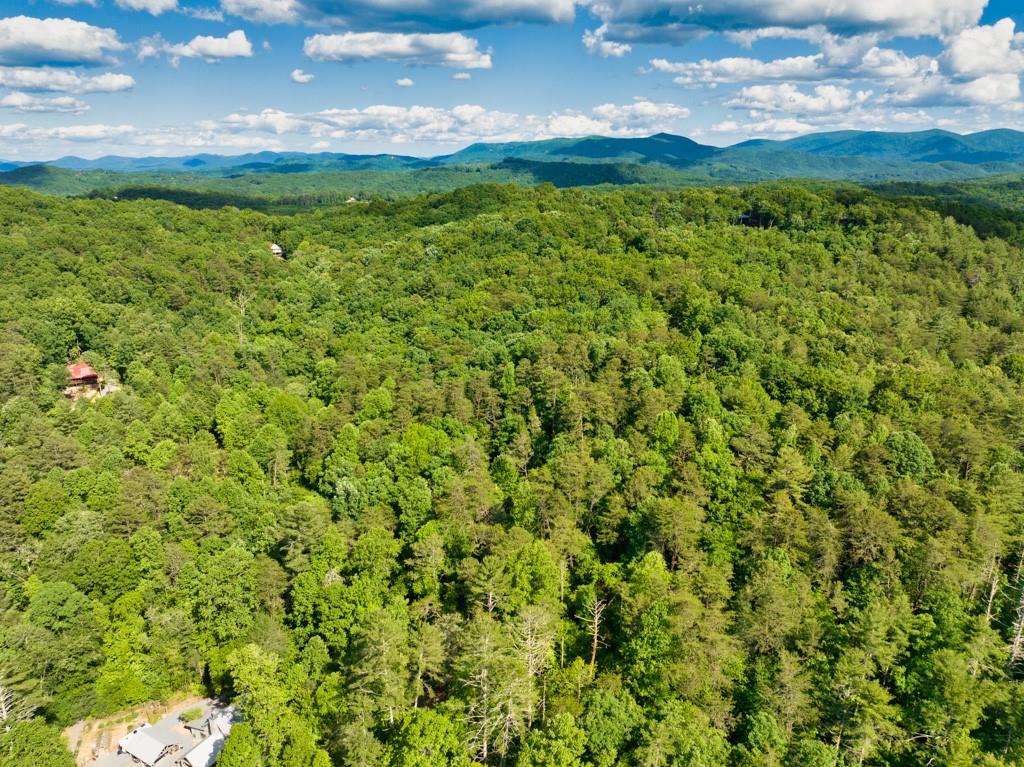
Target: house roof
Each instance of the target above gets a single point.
(143, 746)
(81, 370)
(205, 753)
(222, 723)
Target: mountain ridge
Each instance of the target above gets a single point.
(671, 149)
(859, 156)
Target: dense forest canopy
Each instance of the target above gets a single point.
(525, 477)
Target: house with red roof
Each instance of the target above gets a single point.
(85, 382)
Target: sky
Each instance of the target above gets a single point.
(424, 77)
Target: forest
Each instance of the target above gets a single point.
(519, 477)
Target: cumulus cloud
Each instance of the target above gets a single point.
(642, 115)
(264, 11)
(786, 97)
(891, 64)
(299, 76)
(935, 89)
(380, 124)
(24, 102)
(462, 76)
(405, 15)
(28, 41)
(94, 140)
(669, 21)
(986, 50)
(155, 7)
(595, 42)
(405, 82)
(775, 127)
(460, 124)
(63, 80)
(24, 133)
(210, 49)
(450, 49)
(204, 14)
(740, 69)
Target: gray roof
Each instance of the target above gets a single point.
(142, 745)
(205, 753)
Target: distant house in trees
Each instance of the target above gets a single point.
(83, 375)
(277, 250)
(143, 748)
(85, 382)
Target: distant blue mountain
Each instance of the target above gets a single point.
(254, 162)
(853, 155)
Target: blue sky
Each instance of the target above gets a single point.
(139, 77)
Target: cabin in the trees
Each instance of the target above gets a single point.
(85, 382)
(143, 748)
(277, 250)
(83, 375)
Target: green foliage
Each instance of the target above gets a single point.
(33, 742)
(695, 477)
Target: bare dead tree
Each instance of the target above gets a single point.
(593, 612)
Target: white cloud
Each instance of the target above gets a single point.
(29, 41)
(747, 37)
(203, 14)
(990, 90)
(595, 42)
(23, 133)
(462, 76)
(63, 80)
(460, 124)
(210, 49)
(299, 76)
(23, 102)
(377, 125)
(642, 114)
(786, 97)
(405, 82)
(264, 11)
(891, 64)
(450, 49)
(934, 89)
(738, 69)
(862, 117)
(106, 139)
(155, 7)
(404, 15)
(670, 21)
(986, 50)
(772, 127)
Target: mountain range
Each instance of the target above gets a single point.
(860, 156)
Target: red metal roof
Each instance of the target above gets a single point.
(79, 370)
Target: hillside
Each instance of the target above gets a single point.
(660, 160)
(504, 476)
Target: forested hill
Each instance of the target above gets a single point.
(661, 159)
(519, 477)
